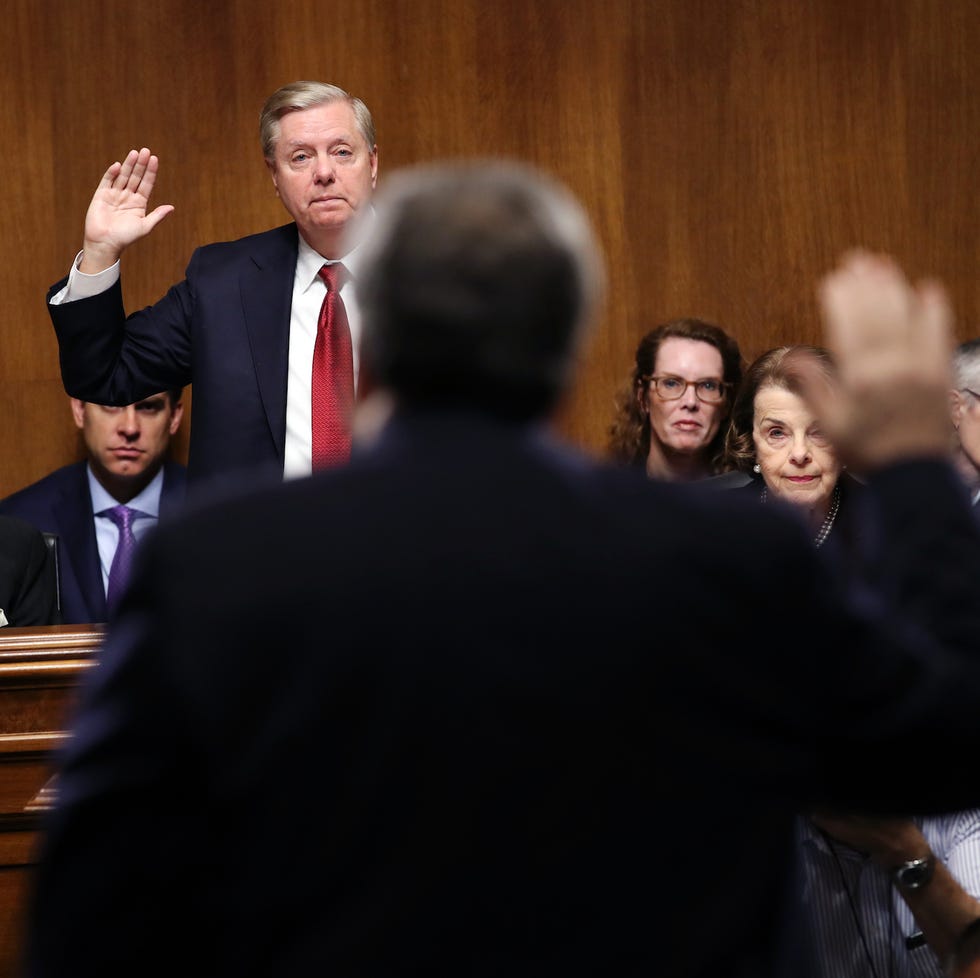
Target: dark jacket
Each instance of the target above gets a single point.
(474, 706)
(224, 328)
(27, 581)
(61, 503)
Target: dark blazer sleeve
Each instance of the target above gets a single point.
(109, 359)
(224, 328)
(27, 575)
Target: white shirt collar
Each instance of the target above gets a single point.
(147, 501)
(309, 261)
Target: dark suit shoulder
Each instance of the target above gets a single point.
(174, 475)
(18, 537)
(28, 594)
(277, 244)
(32, 499)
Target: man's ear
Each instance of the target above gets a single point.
(956, 407)
(176, 417)
(271, 164)
(78, 412)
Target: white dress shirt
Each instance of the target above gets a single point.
(147, 505)
(857, 920)
(308, 292)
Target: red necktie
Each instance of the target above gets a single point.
(333, 375)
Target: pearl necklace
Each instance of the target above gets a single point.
(828, 523)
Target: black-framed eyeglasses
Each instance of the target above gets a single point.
(670, 388)
(968, 391)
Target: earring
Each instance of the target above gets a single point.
(756, 468)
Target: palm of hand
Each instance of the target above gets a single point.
(117, 215)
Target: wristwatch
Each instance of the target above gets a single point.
(914, 874)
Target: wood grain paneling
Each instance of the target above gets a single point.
(727, 151)
(40, 673)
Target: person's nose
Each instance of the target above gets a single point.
(689, 399)
(324, 171)
(800, 453)
(129, 423)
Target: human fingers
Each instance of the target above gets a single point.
(157, 215)
(137, 172)
(863, 301)
(934, 332)
(892, 348)
(110, 175)
(149, 176)
(817, 385)
(125, 172)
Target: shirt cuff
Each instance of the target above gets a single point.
(81, 286)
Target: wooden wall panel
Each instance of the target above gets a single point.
(727, 151)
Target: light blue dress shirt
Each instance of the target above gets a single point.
(146, 503)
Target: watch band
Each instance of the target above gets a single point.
(915, 873)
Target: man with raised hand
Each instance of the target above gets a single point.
(245, 323)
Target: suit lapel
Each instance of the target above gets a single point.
(73, 511)
(266, 286)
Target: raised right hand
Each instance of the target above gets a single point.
(117, 215)
(893, 344)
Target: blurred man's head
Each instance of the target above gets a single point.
(126, 446)
(476, 286)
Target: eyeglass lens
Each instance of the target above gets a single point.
(671, 388)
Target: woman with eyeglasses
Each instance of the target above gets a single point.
(671, 419)
(881, 896)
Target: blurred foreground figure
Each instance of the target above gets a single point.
(488, 718)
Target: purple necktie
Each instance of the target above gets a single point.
(123, 517)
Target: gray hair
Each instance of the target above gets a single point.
(966, 365)
(477, 283)
(307, 95)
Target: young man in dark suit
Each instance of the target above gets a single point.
(126, 464)
(242, 324)
(476, 705)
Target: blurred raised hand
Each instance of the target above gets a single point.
(893, 342)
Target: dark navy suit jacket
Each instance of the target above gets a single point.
(61, 503)
(470, 706)
(224, 329)
(27, 580)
